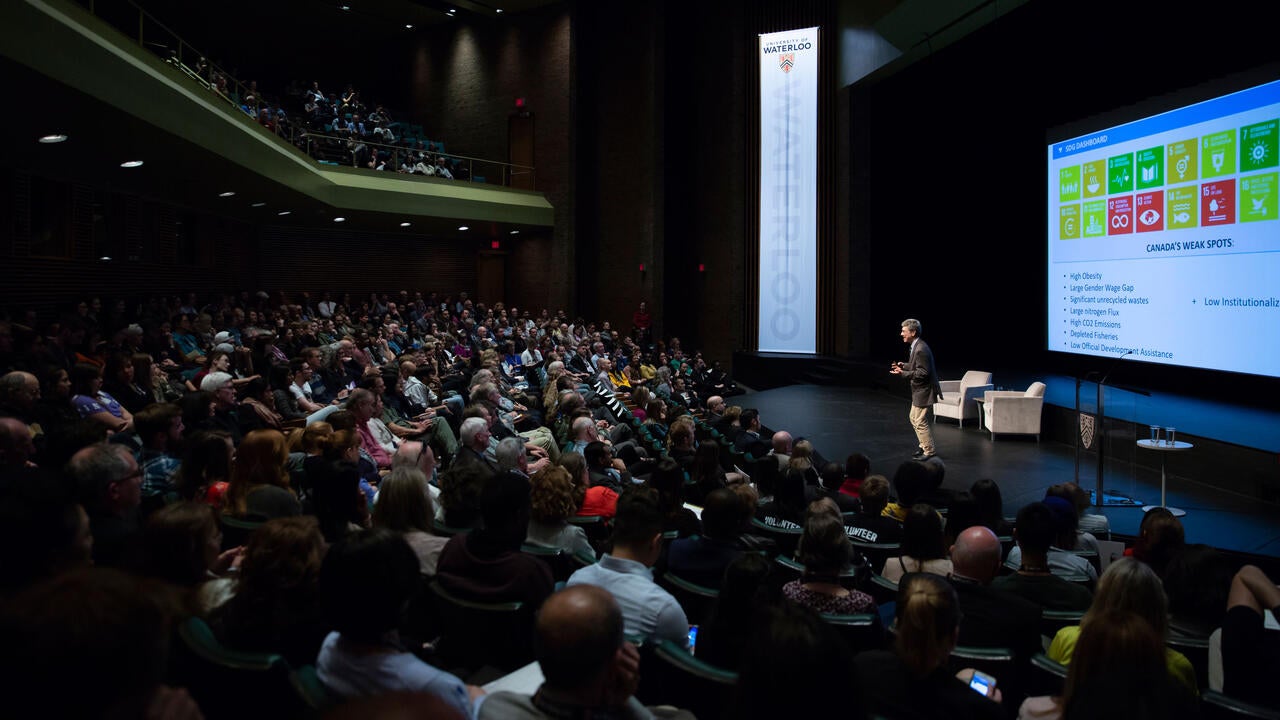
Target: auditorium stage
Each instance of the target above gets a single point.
(842, 420)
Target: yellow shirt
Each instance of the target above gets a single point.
(1180, 669)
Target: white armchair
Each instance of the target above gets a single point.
(958, 396)
(1013, 412)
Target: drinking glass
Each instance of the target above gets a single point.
(1169, 435)
(1155, 434)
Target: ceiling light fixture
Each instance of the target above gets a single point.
(105, 258)
(499, 11)
(51, 139)
(339, 219)
(228, 193)
(258, 205)
(408, 26)
(463, 228)
(345, 8)
(282, 213)
(131, 164)
(515, 232)
(405, 224)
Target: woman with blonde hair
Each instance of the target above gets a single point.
(404, 506)
(913, 679)
(1128, 585)
(1118, 670)
(259, 479)
(801, 463)
(553, 502)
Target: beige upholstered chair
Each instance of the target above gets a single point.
(958, 396)
(1012, 412)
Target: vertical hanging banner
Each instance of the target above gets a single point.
(788, 290)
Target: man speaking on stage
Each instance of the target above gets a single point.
(923, 378)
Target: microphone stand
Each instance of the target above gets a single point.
(1099, 428)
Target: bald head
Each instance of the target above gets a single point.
(976, 554)
(19, 389)
(414, 454)
(715, 404)
(782, 442)
(577, 633)
(16, 446)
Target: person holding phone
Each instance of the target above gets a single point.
(913, 679)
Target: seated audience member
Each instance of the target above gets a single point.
(872, 525)
(205, 473)
(1095, 524)
(787, 508)
(1128, 586)
(746, 590)
(1197, 582)
(706, 473)
(366, 581)
(334, 481)
(593, 500)
(182, 545)
(913, 680)
(702, 559)
(856, 468)
(116, 647)
(159, 427)
(991, 506)
(668, 479)
(962, 514)
(1080, 541)
(259, 480)
(824, 551)
(1033, 580)
(588, 668)
(1160, 538)
(275, 601)
(1119, 671)
(486, 565)
(1062, 562)
(404, 506)
(474, 445)
(832, 479)
(120, 383)
(43, 532)
(748, 439)
(93, 403)
(794, 666)
(1250, 651)
(911, 482)
(52, 410)
(923, 547)
(604, 469)
(552, 502)
(258, 408)
(993, 618)
(648, 610)
(110, 489)
(226, 415)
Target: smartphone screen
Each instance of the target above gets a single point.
(982, 682)
(693, 638)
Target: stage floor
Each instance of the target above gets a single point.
(843, 420)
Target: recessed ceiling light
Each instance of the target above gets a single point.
(228, 193)
(282, 213)
(258, 205)
(405, 224)
(105, 258)
(131, 164)
(463, 227)
(499, 11)
(408, 26)
(339, 219)
(51, 139)
(344, 7)
(515, 232)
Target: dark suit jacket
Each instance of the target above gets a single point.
(994, 618)
(467, 456)
(922, 375)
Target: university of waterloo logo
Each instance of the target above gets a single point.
(786, 62)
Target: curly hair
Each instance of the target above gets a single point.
(552, 495)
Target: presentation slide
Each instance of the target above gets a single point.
(1164, 237)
